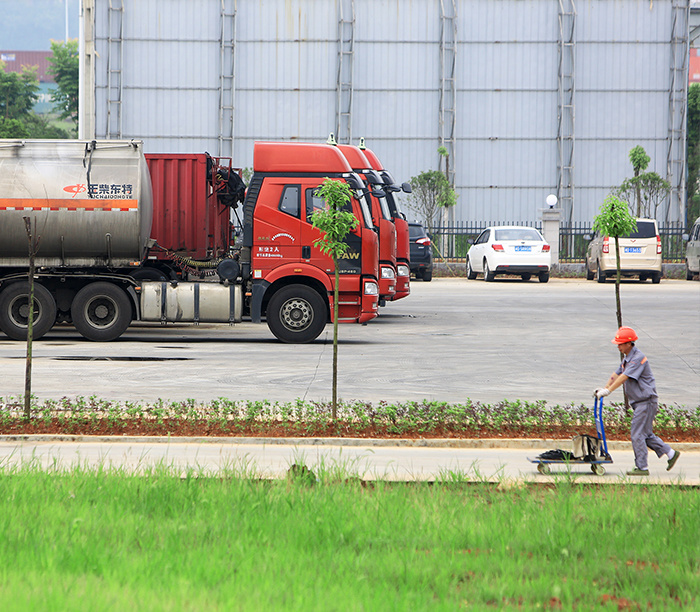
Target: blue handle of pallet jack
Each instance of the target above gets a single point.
(598, 417)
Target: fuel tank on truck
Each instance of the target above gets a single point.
(90, 202)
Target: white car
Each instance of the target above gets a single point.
(509, 249)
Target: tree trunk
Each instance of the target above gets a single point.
(30, 324)
(334, 406)
(617, 283)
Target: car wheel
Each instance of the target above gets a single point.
(488, 275)
(642, 278)
(427, 275)
(600, 276)
(589, 272)
(471, 275)
(526, 277)
(544, 277)
(656, 278)
(688, 273)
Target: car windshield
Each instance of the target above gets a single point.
(645, 229)
(517, 234)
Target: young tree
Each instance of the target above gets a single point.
(64, 67)
(334, 224)
(431, 192)
(644, 192)
(615, 220)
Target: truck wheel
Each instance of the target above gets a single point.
(296, 314)
(101, 312)
(14, 311)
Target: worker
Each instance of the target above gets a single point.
(639, 384)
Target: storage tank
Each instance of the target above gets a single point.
(90, 202)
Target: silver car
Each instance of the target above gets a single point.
(692, 251)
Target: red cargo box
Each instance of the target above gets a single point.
(187, 218)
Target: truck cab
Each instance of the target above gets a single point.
(381, 217)
(403, 271)
(291, 280)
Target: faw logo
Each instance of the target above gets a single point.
(75, 189)
(352, 255)
(283, 235)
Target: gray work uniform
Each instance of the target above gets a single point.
(641, 392)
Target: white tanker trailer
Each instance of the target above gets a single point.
(91, 208)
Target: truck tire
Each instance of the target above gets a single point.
(296, 314)
(14, 311)
(101, 312)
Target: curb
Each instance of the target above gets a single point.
(487, 443)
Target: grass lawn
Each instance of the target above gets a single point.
(81, 539)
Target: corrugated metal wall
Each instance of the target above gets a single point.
(159, 77)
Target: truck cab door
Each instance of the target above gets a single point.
(277, 235)
(351, 265)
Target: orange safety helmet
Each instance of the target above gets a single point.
(624, 334)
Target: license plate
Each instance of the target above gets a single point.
(633, 249)
(526, 249)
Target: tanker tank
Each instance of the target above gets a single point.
(90, 202)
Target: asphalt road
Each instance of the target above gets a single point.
(451, 340)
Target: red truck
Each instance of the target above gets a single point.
(114, 249)
(381, 217)
(403, 249)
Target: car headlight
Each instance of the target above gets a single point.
(403, 270)
(388, 272)
(371, 288)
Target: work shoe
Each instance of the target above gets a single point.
(672, 462)
(638, 472)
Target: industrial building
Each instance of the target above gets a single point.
(530, 97)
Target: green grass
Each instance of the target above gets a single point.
(79, 539)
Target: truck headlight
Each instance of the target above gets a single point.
(402, 270)
(388, 272)
(371, 288)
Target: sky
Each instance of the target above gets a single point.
(30, 25)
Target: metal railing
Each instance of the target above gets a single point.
(453, 241)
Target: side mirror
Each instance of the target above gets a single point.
(471, 240)
(378, 193)
(685, 237)
(406, 187)
(587, 237)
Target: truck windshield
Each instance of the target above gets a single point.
(386, 213)
(365, 203)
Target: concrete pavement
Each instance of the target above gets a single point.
(502, 461)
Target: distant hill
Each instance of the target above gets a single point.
(29, 25)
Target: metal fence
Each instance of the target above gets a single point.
(453, 241)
